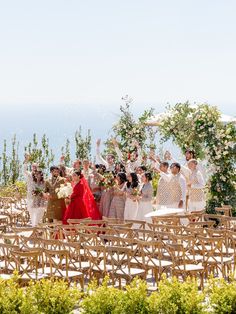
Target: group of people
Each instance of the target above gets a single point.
(116, 186)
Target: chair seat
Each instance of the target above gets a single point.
(219, 259)
(196, 257)
(189, 267)
(5, 276)
(71, 273)
(33, 276)
(130, 271)
(159, 263)
(46, 270)
(79, 265)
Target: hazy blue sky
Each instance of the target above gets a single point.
(80, 57)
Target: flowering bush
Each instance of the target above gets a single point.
(130, 131)
(199, 128)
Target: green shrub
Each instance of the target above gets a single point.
(134, 299)
(11, 296)
(53, 296)
(41, 297)
(174, 297)
(102, 299)
(222, 296)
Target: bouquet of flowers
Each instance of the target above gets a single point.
(64, 191)
(107, 181)
(37, 191)
(135, 193)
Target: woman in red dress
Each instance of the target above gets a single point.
(82, 203)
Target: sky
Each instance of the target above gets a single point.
(68, 63)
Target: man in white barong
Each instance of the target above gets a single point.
(163, 188)
(177, 186)
(189, 155)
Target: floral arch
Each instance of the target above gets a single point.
(200, 128)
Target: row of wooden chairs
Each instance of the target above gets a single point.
(168, 252)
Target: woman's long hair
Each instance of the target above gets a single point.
(122, 176)
(134, 182)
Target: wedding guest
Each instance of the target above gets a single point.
(132, 196)
(109, 162)
(140, 171)
(94, 179)
(196, 187)
(39, 203)
(87, 171)
(77, 164)
(134, 158)
(145, 202)
(82, 203)
(189, 154)
(29, 177)
(119, 167)
(63, 172)
(119, 197)
(56, 206)
(106, 194)
(177, 186)
(163, 188)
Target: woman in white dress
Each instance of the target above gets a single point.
(29, 183)
(34, 182)
(145, 202)
(131, 203)
(39, 203)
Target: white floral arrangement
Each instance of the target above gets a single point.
(64, 191)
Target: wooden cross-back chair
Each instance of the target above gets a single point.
(7, 264)
(122, 231)
(30, 243)
(184, 264)
(170, 220)
(143, 234)
(96, 257)
(9, 238)
(92, 239)
(152, 256)
(137, 224)
(201, 224)
(4, 222)
(51, 244)
(78, 221)
(59, 267)
(225, 210)
(27, 264)
(231, 237)
(76, 257)
(221, 221)
(120, 264)
(215, 259)
(27, 231)
(196, 216)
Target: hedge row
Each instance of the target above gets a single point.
(172, 297)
